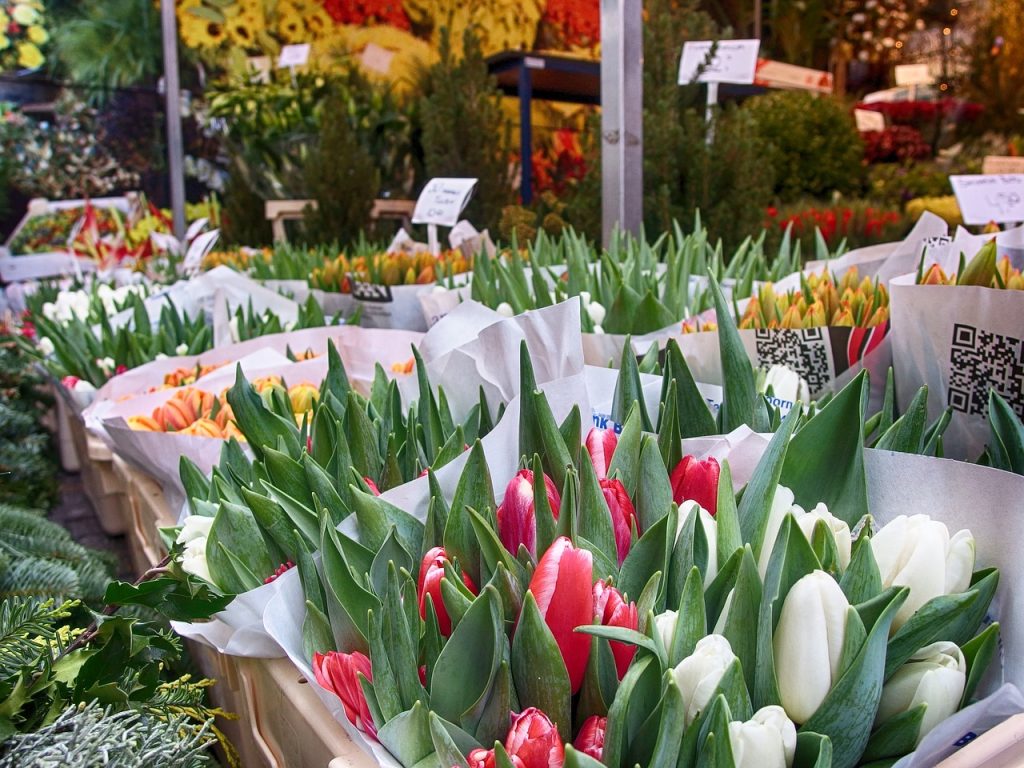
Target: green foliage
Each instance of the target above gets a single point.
(245, 222)
(897, 183)
(41, 560)
(89, 735)
(341, 176)
(814, 145)
(727, 181)
(463, 127)
(27, 468)
(110, 44)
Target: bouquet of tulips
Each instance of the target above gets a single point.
(619, 597)
(956, 328)
(822, 300)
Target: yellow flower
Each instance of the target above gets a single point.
(38, 35)
(5, 42)
(25, 14)
(4, 19)
(29, 56)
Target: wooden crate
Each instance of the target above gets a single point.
(290, 725)
(147, 513)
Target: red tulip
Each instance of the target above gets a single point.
(623, 515)
(534, 739)
(484, 758)
(600, 444)
(70, 382)
(372, 486)
(431, 573)
(694, 480)
(517, 521)
(339, 673)
(612, 611)
(590, 739)
(561, 584)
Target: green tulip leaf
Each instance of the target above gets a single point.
(964, 626)
(813, 750)
(691, 621)
(407, 735)
(741, 402)
(235, 552)
(629, 390)
(906, 435)
(472, 492)
(1007, 434)
(594, 522)
(654, 492)
(978, 653)
(637, 697)
(576, 759)
(695, 418)
(756, 503)
(897, 736)
(928, 624)
(743, 612)
(540, 675)
(861, 581)
(448, 752)
(625, 463)
(729, 537)
(543, 514)
(349, 595)
(391, 551)
(647, 556)
(673, 725)
(825, 459)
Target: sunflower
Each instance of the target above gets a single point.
(29, 56)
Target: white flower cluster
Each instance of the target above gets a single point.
(77, 305)
(193, 535)
(595, 310)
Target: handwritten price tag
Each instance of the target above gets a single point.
(442, 200)
(734, 61)
(998, 198)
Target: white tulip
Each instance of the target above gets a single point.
(84, 387)
(233, 327)
(505, 309)
(181, 349)
(699, 674)
(50, 310)
(194, 527)
(46, 346)
(104, 291)
(160, 356)
(585, 298)
(105, 364)
(596, 312)
(786, 384)
(665, 623)
(598, 330)
(767, 740)
(782, 502)
(710, 528)
(936, 675)
(193, 560)
(840, 531)
(809, 643)
(917, 552)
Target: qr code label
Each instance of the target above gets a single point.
(806, 351)
(981, 360)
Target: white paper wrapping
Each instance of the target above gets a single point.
(960, 341)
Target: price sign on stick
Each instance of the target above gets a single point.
(293, 56)
(442, 200)
(440, 204)
(998, 198)
(734, 61)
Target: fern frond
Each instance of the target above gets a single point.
(23, 623)
(35, 577)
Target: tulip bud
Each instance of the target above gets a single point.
(767, 740)
(517, 522)
(431, 573)
(600, 444)
(917, 552)
(786, 384)
(782, 502)
(696, 480)
(561, 584)
(610, 610)
(699, 674)
(303, 396)
(838, 528)
(665, 623)
(339, 673)
(590, 739)
(534, 739)
(809, 643)
(710, 528)
(936, 675)
(623, 515)
(373, 486)
(935, 276)
(485, 758)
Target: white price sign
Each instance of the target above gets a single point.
(998, 198)
(442, 200)
(293, 56)
(869, 120)
(734, 61)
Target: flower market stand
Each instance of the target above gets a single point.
(147, 512)
(96, 463)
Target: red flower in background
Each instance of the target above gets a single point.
(576, 22)
(364, 12)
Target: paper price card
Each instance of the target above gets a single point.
(734, 61)
(442, 200)
(996, 197)
(293, 56)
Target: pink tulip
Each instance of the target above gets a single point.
(372, 486)
(431, 573)
(534, 739)
(623, 515)
(517, 520)
(590, 739)
(694, 480)
(485, 758)
(339, 673)
(611, 610)
(600, 444)
(561, 584)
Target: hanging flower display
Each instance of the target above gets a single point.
(22, 34)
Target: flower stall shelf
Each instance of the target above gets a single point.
(41, 245)
(290, 726)
(63, 416)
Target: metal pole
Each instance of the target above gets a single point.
(758, 12)
(622, 187)
(526, 133)
(172, 94)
